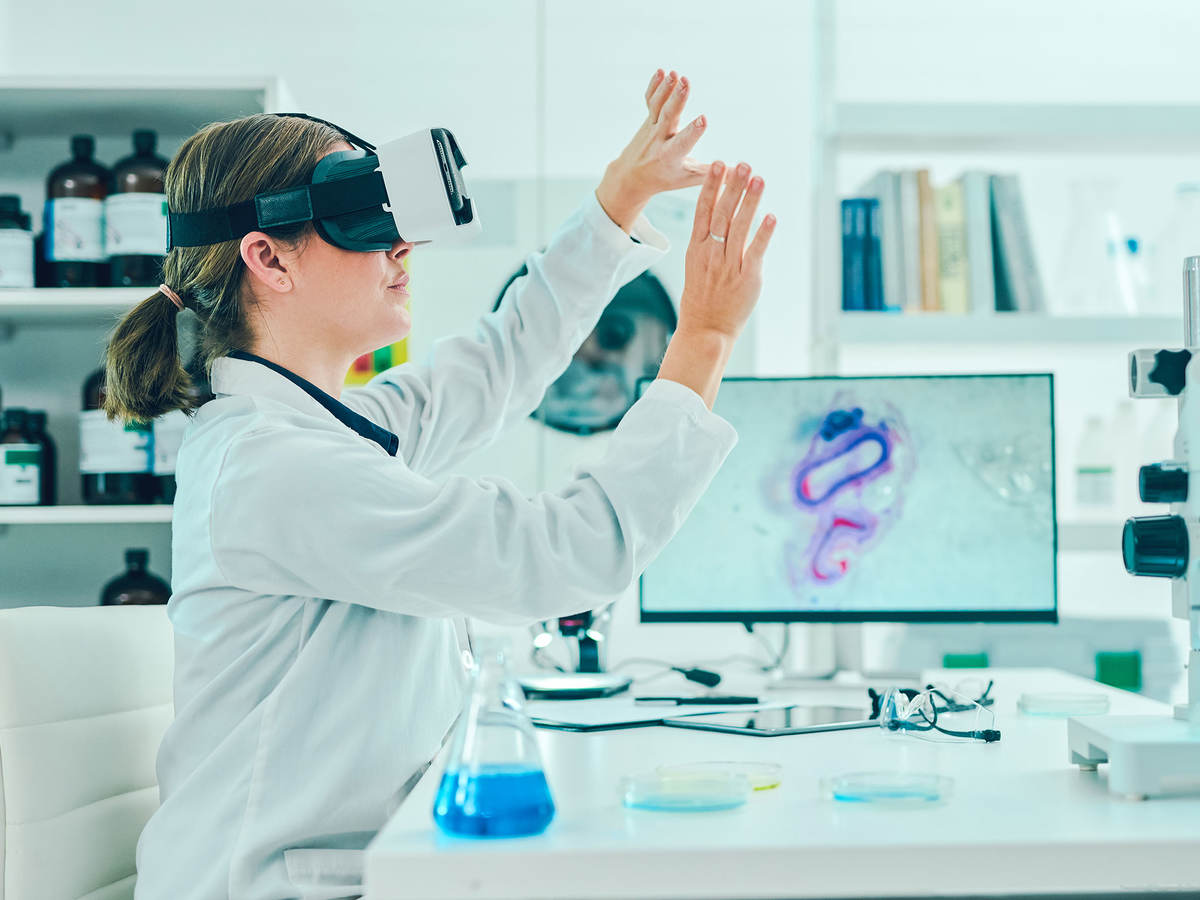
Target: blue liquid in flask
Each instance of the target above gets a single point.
(495, 801)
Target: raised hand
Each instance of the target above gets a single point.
(722, 280)
(722, 275)
(657, 159)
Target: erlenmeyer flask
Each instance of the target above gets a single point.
(494, 785)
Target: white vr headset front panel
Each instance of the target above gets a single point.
(412, 174)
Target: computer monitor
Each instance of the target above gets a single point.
(873, 499)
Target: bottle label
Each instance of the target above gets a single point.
(20, 474)
(16, 258)
(111, 447)
(168, 435)
(135, 224)
(1094, 486)
(75, 229)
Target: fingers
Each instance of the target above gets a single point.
(668, 117)
(655, 79)
(701, 224)
(740, 228)
(660, 95)
(682, 143)
(723, 211)
(758, 246)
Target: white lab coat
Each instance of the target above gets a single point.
(316, 577)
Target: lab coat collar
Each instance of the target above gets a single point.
(245, 373)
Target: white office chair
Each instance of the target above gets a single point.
(85, 695)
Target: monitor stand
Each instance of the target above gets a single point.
(832, 654)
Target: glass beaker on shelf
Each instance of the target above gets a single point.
(1095, 275)
(494, 784)
(1179, 239)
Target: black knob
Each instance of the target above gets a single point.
(1156, 546)
(1157, 484)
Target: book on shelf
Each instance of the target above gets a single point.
(1012, 249)
(951, 217)
(930, 301)
(962, 247)
(977, 216)
(885, 188)
(855, 246)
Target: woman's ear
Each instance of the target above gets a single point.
(264, 262)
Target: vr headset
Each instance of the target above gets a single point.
(409, 189)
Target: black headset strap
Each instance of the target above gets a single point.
(287, 207)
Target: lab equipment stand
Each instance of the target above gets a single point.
(1155, 755)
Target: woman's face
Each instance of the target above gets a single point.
(357, 301)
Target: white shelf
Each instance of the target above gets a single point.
(85, 515)
(68, 306)
(1007, 328)
(892, 126)
(39, 106)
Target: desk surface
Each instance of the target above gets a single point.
(1021, 820)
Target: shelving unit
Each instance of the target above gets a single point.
(1004, 328)
(51, 338)
(907, 128)
(66, 306)
(85, 515)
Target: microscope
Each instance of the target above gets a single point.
(1156, 755)
(589, 680)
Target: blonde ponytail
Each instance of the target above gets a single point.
(144, 376)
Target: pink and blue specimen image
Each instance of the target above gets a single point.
(873, 496)
(846, 490)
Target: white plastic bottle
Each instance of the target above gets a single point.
(1127, 457)
(1094, 464)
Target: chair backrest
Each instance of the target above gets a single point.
(85, 696)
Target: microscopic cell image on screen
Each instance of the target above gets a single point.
(865, 498)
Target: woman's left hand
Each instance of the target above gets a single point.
(657, 158)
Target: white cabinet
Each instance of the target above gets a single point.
(51, 339)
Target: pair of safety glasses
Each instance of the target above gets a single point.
(937, 713)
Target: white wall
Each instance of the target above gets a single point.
(1018, 50)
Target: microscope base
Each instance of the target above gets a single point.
(1148, 756)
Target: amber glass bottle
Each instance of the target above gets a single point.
(74, 219)
(135, 215)
(135, 585)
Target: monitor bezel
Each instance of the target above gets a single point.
(965, 616)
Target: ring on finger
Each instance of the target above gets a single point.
(716, 237)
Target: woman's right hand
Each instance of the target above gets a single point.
(723, 276)
(722, 280)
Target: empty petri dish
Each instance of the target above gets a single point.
(1061, 705)
(684, 793)
(762, 776)
(891, 788)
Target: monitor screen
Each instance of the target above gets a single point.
(911, 498)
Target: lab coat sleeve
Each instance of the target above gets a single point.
(307, 515)
(471, 387)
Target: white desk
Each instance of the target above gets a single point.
(1021, 820)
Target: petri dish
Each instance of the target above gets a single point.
(684, 793)
(913, 789)
(762, 776)
(1057, 705)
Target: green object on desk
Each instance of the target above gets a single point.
(1120, 670)
(964, 661)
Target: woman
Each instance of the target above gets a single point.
(321, 552)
